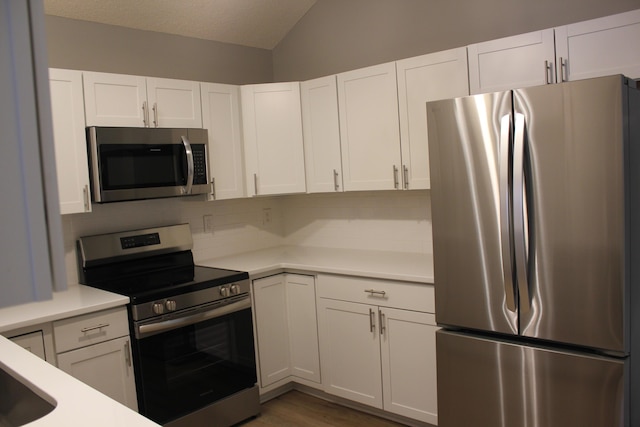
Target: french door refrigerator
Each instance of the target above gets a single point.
(535, 198)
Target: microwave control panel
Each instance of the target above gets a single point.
(199, 164)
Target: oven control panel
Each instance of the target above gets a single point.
(130, 242)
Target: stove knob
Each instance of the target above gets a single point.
(224, 291)
(170, 305)
(235, 289)
(158, 308)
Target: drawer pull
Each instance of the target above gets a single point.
(93, 328)
(374, 292)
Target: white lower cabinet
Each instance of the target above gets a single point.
(286, 328)
(96, 349)
(375, 352)
(32, 342)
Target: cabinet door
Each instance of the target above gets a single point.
(421, 79)
(115, 100)
(221, 118)
(368, 106)
(599, 47)
(350, 351)
(270, 309)
(32, 342)
(512, 62)
(321, 127)
(303, 326)
(174, 103)
(105, 367)
(272, 124)
(72, 168)
(408, 347)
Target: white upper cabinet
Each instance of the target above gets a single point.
(599, 47)
(272, 124)
(221, 118)
(126, 100)
(421, 79)
(512, 62)
(369, 130)
(69, 140)
(321, 128)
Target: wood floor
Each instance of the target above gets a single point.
(297, 409)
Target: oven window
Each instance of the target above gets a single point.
(127, 166)
(186, 369)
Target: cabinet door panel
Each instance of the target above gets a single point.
(270, 308)
(32, 342)
(421, 79)
(599, 47)
(221, 118)
(105, 367)
(350, 351)
(174, 103)
(272, 124)
(408, 347)
(67, 109)
(114, 99)
(512, 62)
(321, 134)
(368, 107)
(303, 326)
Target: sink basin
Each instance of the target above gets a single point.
(19, 405)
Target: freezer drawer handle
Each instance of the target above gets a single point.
(374, 292)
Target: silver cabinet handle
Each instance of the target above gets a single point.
(255, 184)
(382, 321)
(335, 180)
(190, 167)
(395, 176)
(372, 321)
(213, 188)
(85, 195)
(563, 69)
(405, 176)
(145, 122)
(374, 292)
(127, 353)
(93, 328)
(547, 71)
(155, 114)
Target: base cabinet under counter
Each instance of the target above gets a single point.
(377, 344)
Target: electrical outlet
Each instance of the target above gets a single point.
(207, 220)
(266, 216)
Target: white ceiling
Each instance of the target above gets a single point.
(255, 23)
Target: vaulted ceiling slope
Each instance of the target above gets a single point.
(254, 23)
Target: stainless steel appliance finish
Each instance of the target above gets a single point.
(193, 347)
(533, 204)
(147, 163)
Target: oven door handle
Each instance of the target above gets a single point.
(146, 330)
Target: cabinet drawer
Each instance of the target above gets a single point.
(404, 295)
(92, 328)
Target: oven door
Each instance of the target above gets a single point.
(194, 359)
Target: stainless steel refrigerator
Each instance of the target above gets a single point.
(535, 199)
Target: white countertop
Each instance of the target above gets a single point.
(410, 267)
(77, 404)
(76, 300)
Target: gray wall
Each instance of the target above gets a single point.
(81, 45)
(341, 35)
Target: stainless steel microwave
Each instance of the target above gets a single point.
(146, 163)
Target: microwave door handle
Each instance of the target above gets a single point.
(189, 153)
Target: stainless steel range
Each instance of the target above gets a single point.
(191, 326)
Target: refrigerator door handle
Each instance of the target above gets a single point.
(505, 212)
(520, 229)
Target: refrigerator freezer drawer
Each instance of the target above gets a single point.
(486, 383)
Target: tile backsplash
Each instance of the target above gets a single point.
(381, 220)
